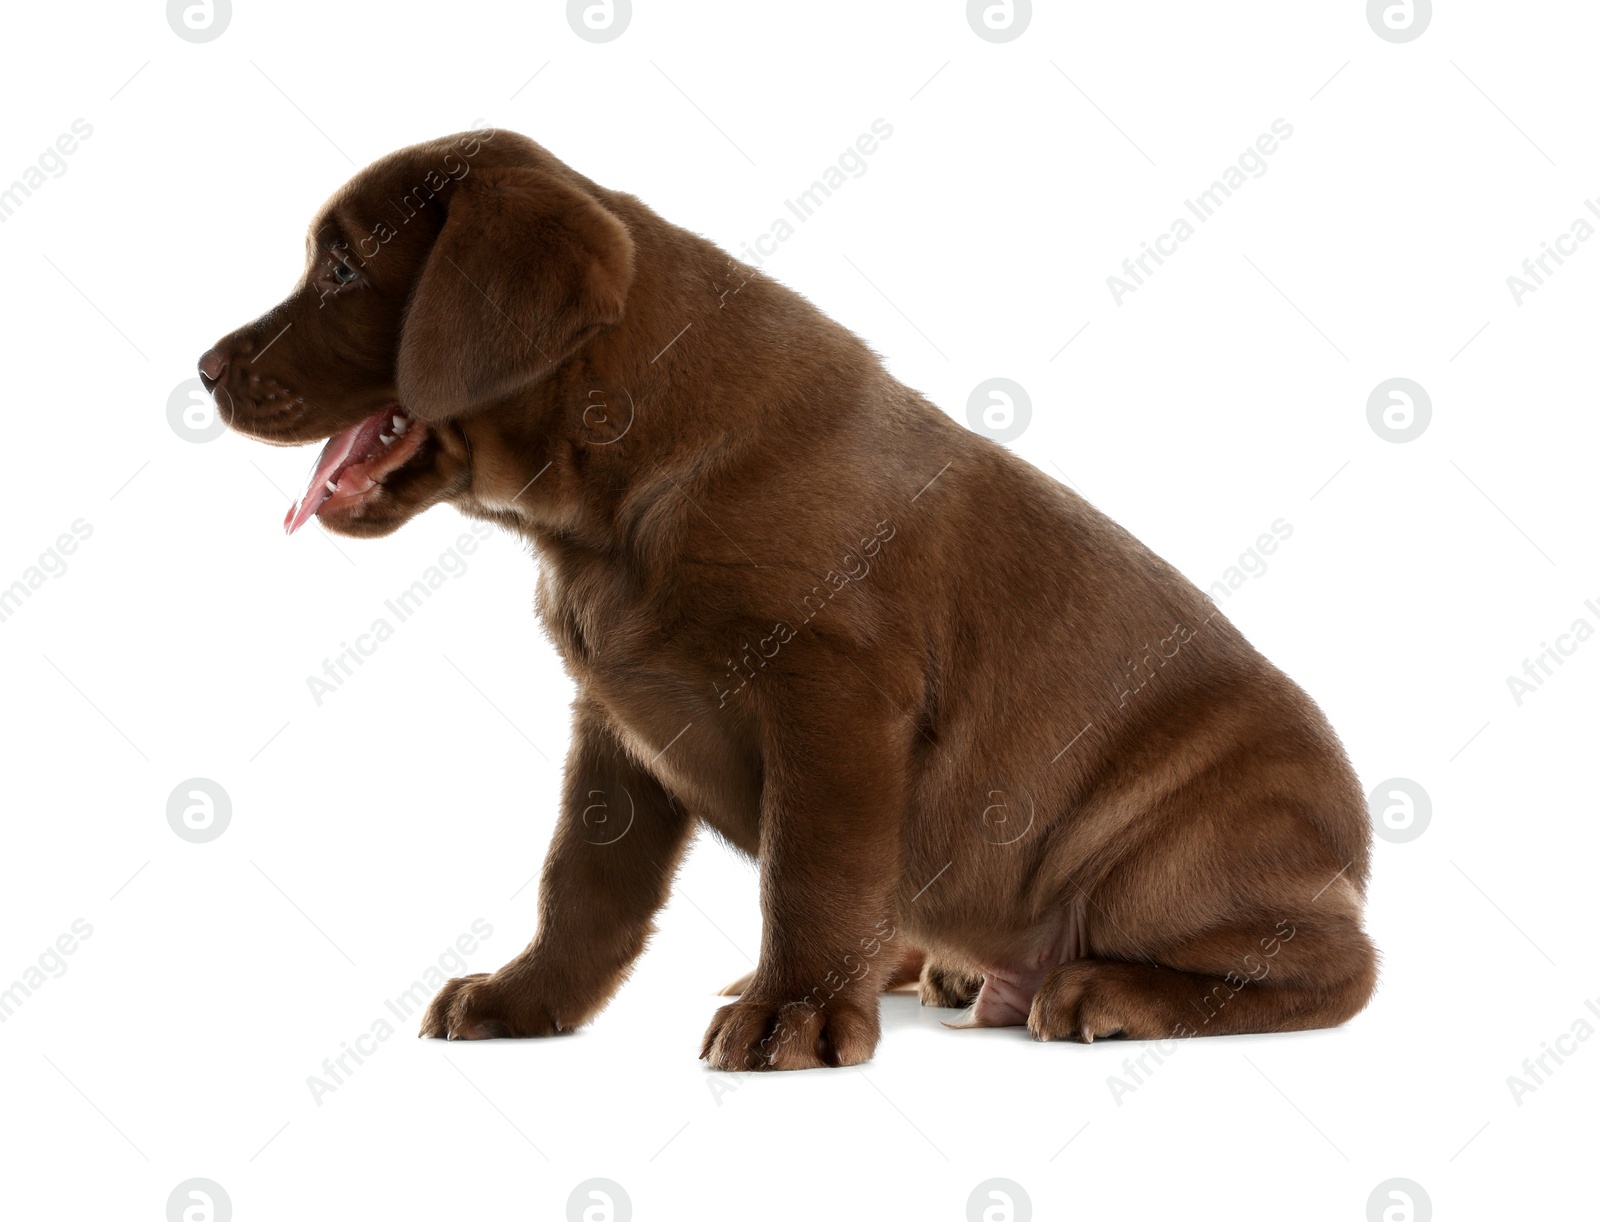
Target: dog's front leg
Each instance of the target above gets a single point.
(832, 804)
(608, 871)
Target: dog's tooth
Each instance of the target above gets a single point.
(332, 487)
(387, 440)
(399, 424)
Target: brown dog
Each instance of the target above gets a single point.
(957, 715)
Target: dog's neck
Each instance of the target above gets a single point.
(616, 441)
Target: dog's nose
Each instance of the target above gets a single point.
(213, 364)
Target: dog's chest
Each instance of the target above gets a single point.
(610, 628)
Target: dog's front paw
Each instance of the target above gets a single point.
(750, 1034)
(486, 1007)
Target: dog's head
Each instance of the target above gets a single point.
(441, 283)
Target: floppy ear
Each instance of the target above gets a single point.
(525, 268)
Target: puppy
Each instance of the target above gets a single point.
(962, 720)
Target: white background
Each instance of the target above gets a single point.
(1226, 393)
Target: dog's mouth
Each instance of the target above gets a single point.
(354, 463)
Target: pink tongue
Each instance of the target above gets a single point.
(351, 446)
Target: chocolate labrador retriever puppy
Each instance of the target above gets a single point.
(960, 718)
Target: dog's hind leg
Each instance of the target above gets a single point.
(1286, 973)
(948, 985)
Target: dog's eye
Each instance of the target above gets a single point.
(343, 273)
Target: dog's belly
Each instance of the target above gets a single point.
(1006, 997)
(1009, 983)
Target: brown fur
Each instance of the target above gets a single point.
(949, 707)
